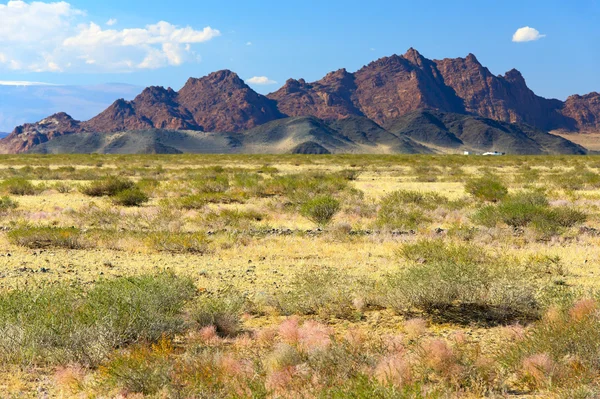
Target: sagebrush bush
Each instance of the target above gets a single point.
(320, 210)
(302, 187)
(62, 188)
(529, 209)
(107, 187)
(487, 188)
(402, 210)
(130, 197)
(222, 310)
(460, 281)
(325, 292)
(18, 186)
(233, 218)
(66, 323)
(193, 243)
(7, 203)
(47, 237)
(142, 369)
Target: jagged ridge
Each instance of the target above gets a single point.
(383, 91)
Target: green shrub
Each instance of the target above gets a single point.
(62, 188)
(487, 188)
(130, 197)
(576, 180)
(47, 237)
(107, 187)
(193, 243)
(303, 187)
(222, 310)
(460, 283)
(212, 184)
(18, 186)
(325, 292)
(6, 204)
(529, 208)
(401, 210)
(320, 210)
(233, 218)
(349, 174)
(190, 202)
(66, 323)
(145, 370)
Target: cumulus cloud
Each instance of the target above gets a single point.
(526, 34)
(249, 44)
(54, 37)
(261, 80)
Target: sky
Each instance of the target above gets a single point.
(554, 43)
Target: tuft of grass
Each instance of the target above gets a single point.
(7, 203)
(130, 197)
(47, 237)
(222, 310)
(560, 350)
(192, 243)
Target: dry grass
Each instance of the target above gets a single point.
(312, 313)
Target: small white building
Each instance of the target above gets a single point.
(494, 153)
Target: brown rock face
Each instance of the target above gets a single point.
(505, 98)
(159, 106)
(394, 86)
(331, 98)
(119, 116)
(222, 102)
(155, 107)
(30, 134)
(584, 111)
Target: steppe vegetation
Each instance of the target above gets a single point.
(299, 276)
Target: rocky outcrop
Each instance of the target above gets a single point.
(222, 102)
(504, 98)
(330, 98)
(28, 135)
(394, 86)
(584, 111)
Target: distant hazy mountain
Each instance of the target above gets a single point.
(21, 103)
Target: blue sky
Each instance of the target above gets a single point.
(76, 44)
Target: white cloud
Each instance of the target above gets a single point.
(261, 80)
(23, 83)
(249, 44)
(55, 37)
(526, 34)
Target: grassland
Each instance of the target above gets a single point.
(299, 276)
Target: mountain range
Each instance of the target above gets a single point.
(397, 104)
